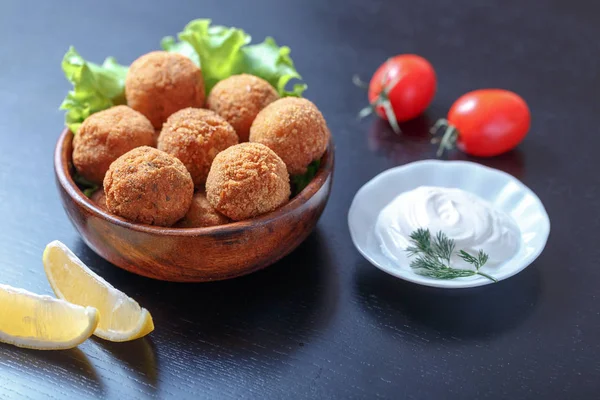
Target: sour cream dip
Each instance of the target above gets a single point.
(472, 222)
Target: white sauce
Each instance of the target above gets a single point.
(471, 221)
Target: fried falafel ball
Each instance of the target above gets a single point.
(295, 129)
(239, 99)
(202, 214)
(149, 186)
(160, 83)
(195, 136)
(105, 136)
(247, 180)
(100, 199)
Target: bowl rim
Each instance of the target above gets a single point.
(62, 167)
(456, 283)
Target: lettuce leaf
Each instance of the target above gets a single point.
(273, 64)
(220, 51)
(169, 44)
(86, 186)
(218, 48)
(95, 87)
(224, 51)
(299, 182)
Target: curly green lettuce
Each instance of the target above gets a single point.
(222, 51)
(217, 47)
(299, 182)
(95, 87)
(273, 64)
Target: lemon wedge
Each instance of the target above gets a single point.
(41, 322)
(121, 317)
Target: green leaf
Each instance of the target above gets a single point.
(86, 186)
(223, 51)
(95, 87)
(467, 258)
(434, 254)
(443, 246)
(217, 47)
(169, 44)
(299, 182)
(273, 64)
(478, 261)
(89, 192)
(220, 51)
(421, 238)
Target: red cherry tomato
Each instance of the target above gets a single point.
(488, 122)
(408, 82)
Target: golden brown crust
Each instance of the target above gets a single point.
(148, 186)
(100, 199)
(295, 129)
(202, 214)
(105, 136)
(247, 180)
(160, 83)
(195, 136)
(239, 99)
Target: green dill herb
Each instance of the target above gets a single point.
(434, 253)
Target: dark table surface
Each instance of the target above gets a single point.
(323, 322)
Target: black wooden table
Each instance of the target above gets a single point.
(324, 323)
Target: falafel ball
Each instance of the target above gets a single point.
(149, 186)
(239, 99)
(160, 83)
(201, 214)
(295, 129)
(100, 199)
(105, 136)
(196, 136)
(247, 180)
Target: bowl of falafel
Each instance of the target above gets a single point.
(180, 175)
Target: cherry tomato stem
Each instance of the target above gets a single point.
(484, 123)
(400, 90)
(448, 139)
(382, 100)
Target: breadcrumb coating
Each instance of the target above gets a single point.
(239, 99)
(247, 180)
(105, 136)
(295, 129)
(195, 136)
(149, 186)
(100, 199)
(202, 214)
(160, 83)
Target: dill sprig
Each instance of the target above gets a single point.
(434, 253)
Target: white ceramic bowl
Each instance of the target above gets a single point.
(499, 188)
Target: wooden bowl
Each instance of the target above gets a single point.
(193, 254)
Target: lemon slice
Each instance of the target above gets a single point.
(42, 322)
(121, 317)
